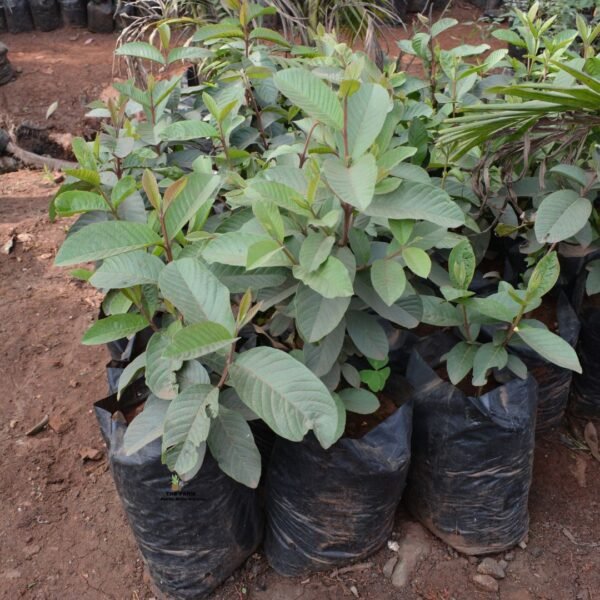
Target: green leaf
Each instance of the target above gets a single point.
(549, 346)
(459, 361)
(315, 250)
(354, 185)
(311, 94)
(331, 279)
(282, 195)
(262, 33)
(233, 447)
(418, 261)
(102, 240)
(122, 190)
(388, 279)
(401, 229)
(217, 30)
(147, 426)
(367, 334)
(375, 380)
(232, 248)
(187, 424)
(517, 366)
(141, 50)
(418, 201)
(198, 340)
(437, 311)
(126, 270)
(266, 253)
(317, 316)
(160, 371)
(441, 25)
(499, 306)
(182, 131)
(114, 328)
(322, 356)
(592, 282)
(84, 155)
(367, 110)
(359, 401)
(130, 372)
(544, 275)
(285, 394)
(560, 216)
(487, 357)
(191, 373)
(188, 53)
(196, 292)
(200, 190)
(461, 265)
(269, 217)
(71, 203)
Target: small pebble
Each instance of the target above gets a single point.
(509, 556)
(488, 566)
(388, 568)
(485, 582)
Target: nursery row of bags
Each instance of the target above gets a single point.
(99, 16)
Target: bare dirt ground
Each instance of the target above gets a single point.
(63, 534)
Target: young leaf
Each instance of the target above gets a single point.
(126, 270)
(150, 186)
(269, 217)
(71, 203)
(388, 279)
(359, 401)
(266, 253)
(461, 265)
(375, 379)
(285, 394)
(102, 240)
(549, 346)
(560, 216)
(113, 328)
(401, 229)
(147, 426)
(232, 445)
(544, 276)
(315, 250)
(331, 279)
(353, 185)
(311, 94)
(418, 261)
(459, 361)
(198, 340)
(367, 334)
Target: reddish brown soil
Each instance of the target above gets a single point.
(63, 535)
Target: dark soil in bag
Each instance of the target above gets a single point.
(192, 537)
(327, 508)
(472, 460)
(100, 17)
(18, 17)
(45, 14)
(74, 12)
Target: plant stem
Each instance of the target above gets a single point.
(347, 223)
(305, 149)
(113, 210)
(466, 323)
(514, 325)
(163, 227)
(228, 362)
(252, 100)
(345, 132)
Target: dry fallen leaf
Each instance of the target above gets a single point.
(90, 454)
(51, 109)
(591, 439)
(9, 246)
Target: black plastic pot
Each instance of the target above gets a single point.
(18, 17)
(74, 12)
(3, 26)
(472, 461)
(327, 508)
(193, 537)
(100, 17)
(45, 14)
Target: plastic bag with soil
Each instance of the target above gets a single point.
(45, 14)
(472, 460)
(18, 17)
(192, 536)
(74, 12)
(3, 26)
(554, 382)
(100, 17)
(327, 508)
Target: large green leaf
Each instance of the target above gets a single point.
(232, 248)
(73, 202)
(549, 346)
(500, 306)
(239, 279)
(436, 311)
(459, 361)
(102, 240)
(315, 249)
(359, 401)
(113, 328)
(311, 94)
(461, 265)
(285, 394)
(200, 189)
(126, 270)
(130, 372)
(317, 316)
(418, 201)
(181, 131)
(233, 447)
(196, 292)
(284, 196)
(141, 50)
(331, 279)
(488, 356)
(160, 371)
(354, 185)
(418, 261)
(367, 334)
(367, 110)
(321, 357)
(187, 424)
(198, 340)
(544, 275)
(147, 426)
(561, 215)
(388, 279)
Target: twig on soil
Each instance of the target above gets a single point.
(352, 569)
(38, 426)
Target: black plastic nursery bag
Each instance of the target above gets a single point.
(74, 12)
(472, 461)
(327, 508)
(192, 536)
(100, 16)
(45, 14)
(18, 17)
